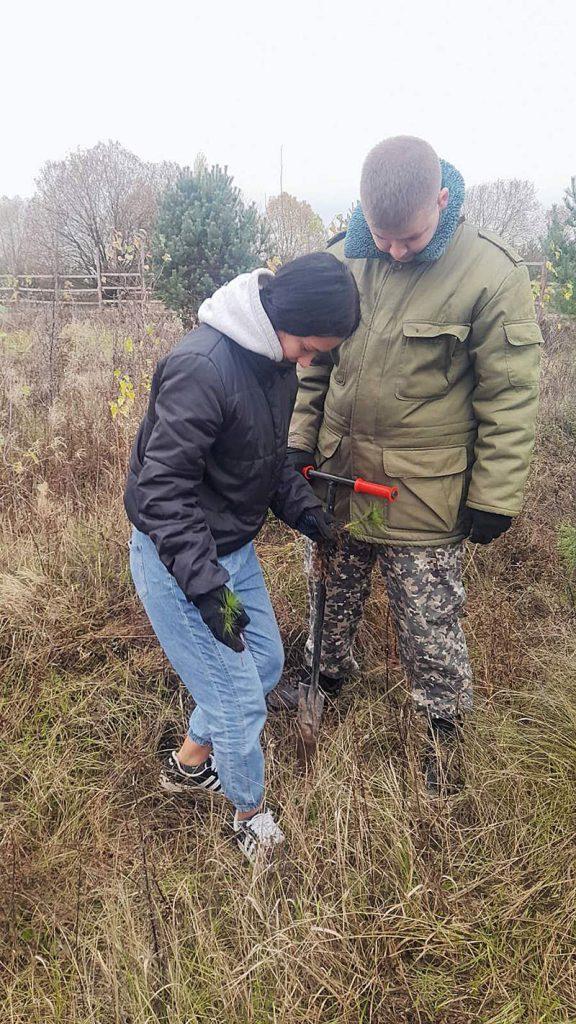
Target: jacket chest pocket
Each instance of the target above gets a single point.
(429, 359)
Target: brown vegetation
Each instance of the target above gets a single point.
(510, 207)
(121, 905)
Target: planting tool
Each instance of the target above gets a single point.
(310, 696)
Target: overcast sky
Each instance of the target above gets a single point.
(490, 83)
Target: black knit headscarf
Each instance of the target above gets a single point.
(313, 295)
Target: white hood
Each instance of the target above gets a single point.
(236, 310)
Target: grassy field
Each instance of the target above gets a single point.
(122, 905)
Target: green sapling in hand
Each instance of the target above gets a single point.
(224, 614)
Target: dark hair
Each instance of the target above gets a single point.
(313, 295)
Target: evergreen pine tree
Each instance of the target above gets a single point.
(561, 252)
(205, 236)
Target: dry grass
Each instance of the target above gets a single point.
(123, 906)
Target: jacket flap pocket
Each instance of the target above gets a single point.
(524, 333)
(419, 329)
(328, 441)
(403, 463)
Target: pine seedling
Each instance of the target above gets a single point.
(567, 551)
(231, 610)
(567, 545)
(373, 517)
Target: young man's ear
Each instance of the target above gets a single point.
(443, 198)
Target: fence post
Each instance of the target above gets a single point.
(142, 278)
(543, 281)
(99, 279)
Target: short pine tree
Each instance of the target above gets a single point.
(567, 546)
(561, 252)
(205, 236)
(567, 550)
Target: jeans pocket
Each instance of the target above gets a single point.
(137, 569)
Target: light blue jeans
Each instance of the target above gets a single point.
(228, 688)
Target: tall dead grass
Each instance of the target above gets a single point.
(123, 906)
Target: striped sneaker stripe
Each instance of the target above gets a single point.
(177, 779)
(258, 836)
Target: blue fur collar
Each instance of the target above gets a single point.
(359, 244)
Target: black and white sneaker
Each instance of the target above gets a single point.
(258, 836)
(181, 778)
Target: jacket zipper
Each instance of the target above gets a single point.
(389, 270)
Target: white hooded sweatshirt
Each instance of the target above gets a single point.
(237, 311)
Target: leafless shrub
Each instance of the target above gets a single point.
(89, 208)
(509, 207)
(294, 228)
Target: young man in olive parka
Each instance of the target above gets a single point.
(435, 392)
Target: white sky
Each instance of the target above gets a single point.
(490, 83)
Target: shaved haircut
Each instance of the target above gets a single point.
(401, 177)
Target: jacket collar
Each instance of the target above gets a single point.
(359, 244)
(263, 367)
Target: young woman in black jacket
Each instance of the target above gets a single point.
(208, 462)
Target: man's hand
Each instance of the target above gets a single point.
(299, 459)
(224, 615)
(486, 526)
(317, 525)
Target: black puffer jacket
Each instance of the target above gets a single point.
(209, 457)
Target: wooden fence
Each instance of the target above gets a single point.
(112, 288)
(115, 288)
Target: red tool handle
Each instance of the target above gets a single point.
(376, 490)
(359, 485)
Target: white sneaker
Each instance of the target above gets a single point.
(199, 780)
(258, 836)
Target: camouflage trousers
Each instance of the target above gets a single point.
(425, 595)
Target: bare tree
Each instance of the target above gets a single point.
(341, 221)
(294, 228)
(93, 205)
(15, 236)
(508, 206)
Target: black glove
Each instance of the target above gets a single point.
(299, 459)
(224, 615)
(486, 526)
(317, 524)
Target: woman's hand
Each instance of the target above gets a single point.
(317, 525)
(224, 615)
(299, 459)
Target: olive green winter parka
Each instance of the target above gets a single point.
(436, 391)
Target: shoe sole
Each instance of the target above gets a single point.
(281, 707)
(168, 786)
(265, 856)
(444, 795)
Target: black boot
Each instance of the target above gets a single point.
(442, 775)
(284, 697)
(330, 686)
